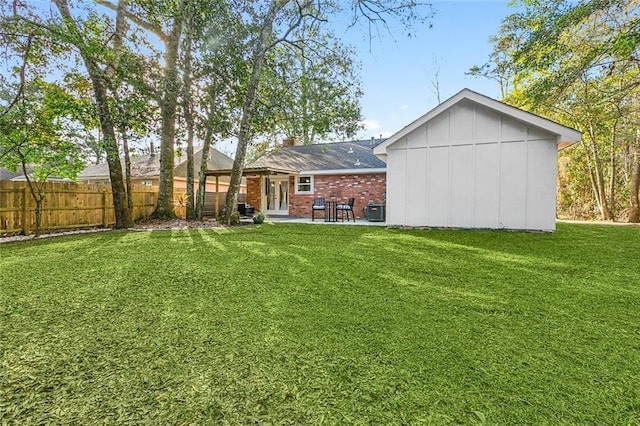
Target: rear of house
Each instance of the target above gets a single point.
(286, 181)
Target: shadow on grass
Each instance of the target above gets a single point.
(304, 324)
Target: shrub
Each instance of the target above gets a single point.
(258, 218)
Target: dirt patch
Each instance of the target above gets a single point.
(141, 225)
(153, 224)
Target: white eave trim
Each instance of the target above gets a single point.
(566, 135)
(342, 172)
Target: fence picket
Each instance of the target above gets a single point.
(70, 206)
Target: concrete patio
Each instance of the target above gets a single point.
(318, 221)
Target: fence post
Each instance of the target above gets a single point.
(105, 218)
(26, 216)
(216, 211)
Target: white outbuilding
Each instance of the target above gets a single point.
(474, 162)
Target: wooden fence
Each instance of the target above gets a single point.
(68, 206)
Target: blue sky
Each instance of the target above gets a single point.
(397, 71)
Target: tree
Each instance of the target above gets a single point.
(89, 50)
(578, 62)
(275, 25)
(164, 20)
(311, 88)
(33, 138)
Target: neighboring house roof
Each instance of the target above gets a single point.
(18, 176)
(148, 166)
(565, 135)
(325, 158)
(217, 161)
(23, 178)
(7, 175)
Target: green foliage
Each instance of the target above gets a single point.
(300, 324)
(258, 218)
(35, 132)
(311, 88)
(576, 63)
(551, 43)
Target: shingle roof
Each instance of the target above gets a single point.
(327, 156)
(217, 161)
(7, 175)
(148, 166)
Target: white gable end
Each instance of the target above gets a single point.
(471, 165)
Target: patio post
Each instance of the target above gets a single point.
(217, 203)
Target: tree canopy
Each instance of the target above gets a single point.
(579, 63)
(191, 70)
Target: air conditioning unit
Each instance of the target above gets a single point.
(375, 212)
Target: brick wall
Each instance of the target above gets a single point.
(254, 194)
(364, 188)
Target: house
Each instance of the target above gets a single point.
(474, 162)
(286, 181)
(5, 174)
(19, 176)
(145, 170)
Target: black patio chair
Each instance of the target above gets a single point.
(318, 204)
(246, 209)
(346, 208)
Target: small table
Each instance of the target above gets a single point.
(330, 211)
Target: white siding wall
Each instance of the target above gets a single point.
(470, 167)
(396, 183)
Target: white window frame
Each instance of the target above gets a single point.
(297, 183)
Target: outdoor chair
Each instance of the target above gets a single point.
(346, 208)
(246, 209)
(318, 204)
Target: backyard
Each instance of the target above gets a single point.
(300, 324)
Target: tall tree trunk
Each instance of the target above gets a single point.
(248, 109)
(123, 214)
(634, 211)
(187, 106)
(36, 194)
(168, 107)
(599, 188)
(127, 167)
(202, 178)
(612, 181)
(99, 84)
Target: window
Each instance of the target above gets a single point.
(304, 185)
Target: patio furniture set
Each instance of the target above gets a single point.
(332, 210)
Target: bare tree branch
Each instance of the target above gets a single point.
(301, 17)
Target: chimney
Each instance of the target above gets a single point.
(152, 149)
(290, 142)
(373, 140)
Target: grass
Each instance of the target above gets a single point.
(291, 324)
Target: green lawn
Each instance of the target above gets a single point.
(301, 324)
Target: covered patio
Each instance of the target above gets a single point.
(248, 173)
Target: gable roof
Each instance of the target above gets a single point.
(5, 174)
(566, 135)
(148, 166)
(326, 157)
(19, 176)
(217, 161)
